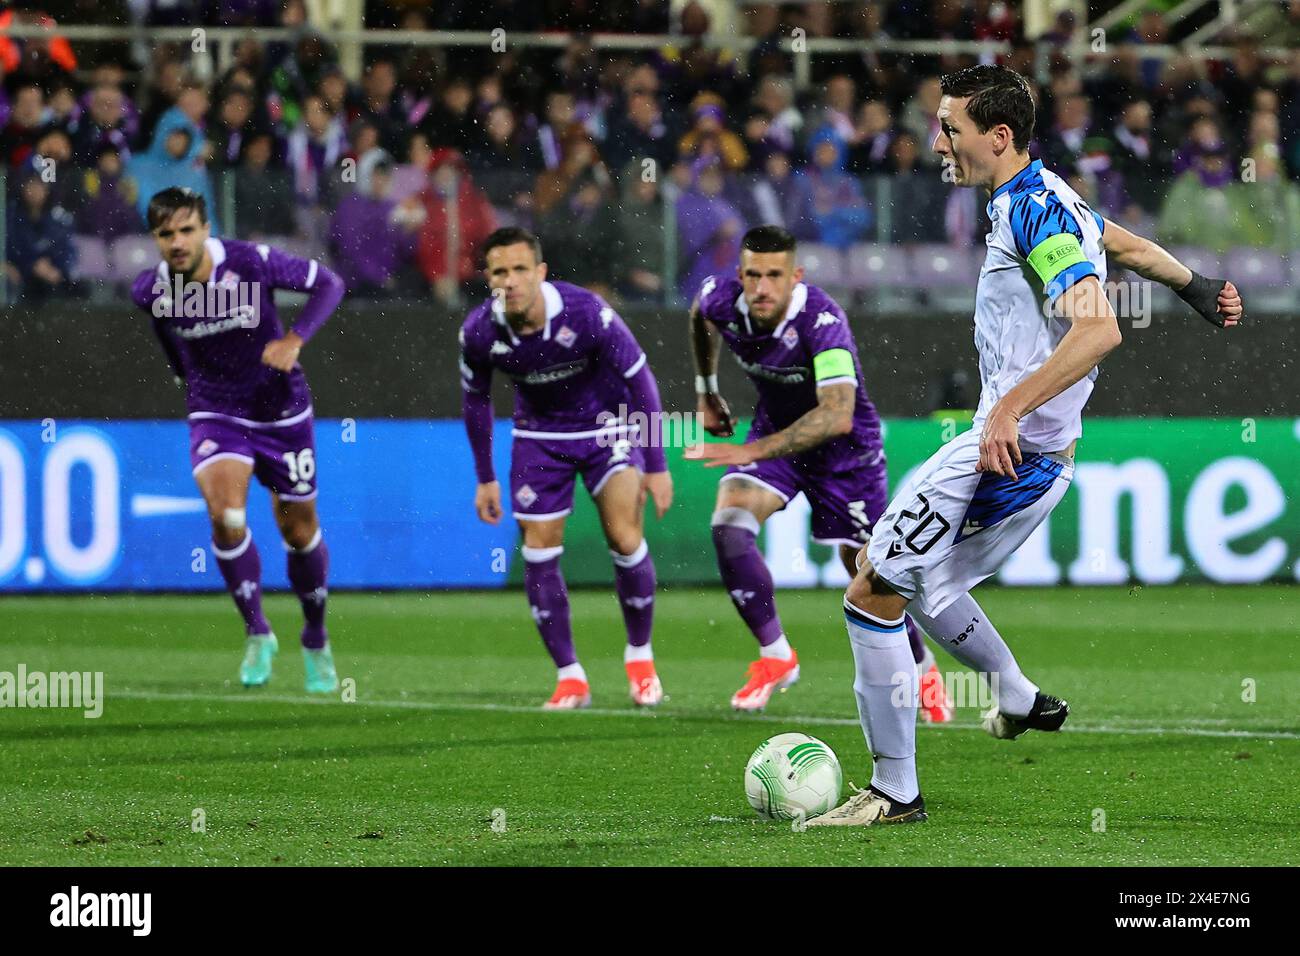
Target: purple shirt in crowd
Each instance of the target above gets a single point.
(214, 339)
(811, 346)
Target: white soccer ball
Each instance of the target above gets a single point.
(793, 776)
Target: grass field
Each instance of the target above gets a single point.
(445, 730)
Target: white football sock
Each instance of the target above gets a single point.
(637, 653)
(572, 671)
(888, 691)
(780, 649)
(982, 649)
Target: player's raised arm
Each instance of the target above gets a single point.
(325, 290)
(712, 408)
(1094, 334)
(476, 409)
(1216, 300)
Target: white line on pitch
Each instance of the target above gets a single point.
(255, 697)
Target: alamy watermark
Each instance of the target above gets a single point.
(78, 690)
(228, 304)
(649, 429)
(958, 689)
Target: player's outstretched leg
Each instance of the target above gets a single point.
(887, 690)
(970, 637)
(548, 599)
(749, 583)
(308, 566)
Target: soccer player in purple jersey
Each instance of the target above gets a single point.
(249, 407)
(574, 363)
(814, 430)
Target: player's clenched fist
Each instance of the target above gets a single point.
(714, 414)
(487, 502)
(282, 354)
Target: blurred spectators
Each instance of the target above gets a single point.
(372, 238)
(831, 197)
(709, 136)
(39, 253)
(639, 263)
(108, 208)
(709, 228)
(264, 198)
(174, 158)
(458, 217)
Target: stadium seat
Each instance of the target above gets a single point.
(1259, 267)
(944, 265)
(824, 265)
(92, 258)
(130, 255)
(874, 266)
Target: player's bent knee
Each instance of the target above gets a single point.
(734, 531)
(630, 557)
(233, 520)
(867, 585)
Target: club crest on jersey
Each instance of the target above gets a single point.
(566, 336)
(526, 496)
(206, 448)
(790, 337)
(229, 280)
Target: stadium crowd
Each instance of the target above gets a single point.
(398, 177)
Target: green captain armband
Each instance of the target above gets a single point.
(1054, 255)
(833, 363)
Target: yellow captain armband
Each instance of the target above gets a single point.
(1054, 255)
(833, 363)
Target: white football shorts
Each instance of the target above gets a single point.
(950, 527)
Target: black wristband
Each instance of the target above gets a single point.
(1202, 294)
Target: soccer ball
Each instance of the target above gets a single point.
(793, 776)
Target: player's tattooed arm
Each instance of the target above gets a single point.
(706, 343)
(832, 417)
(1216, 300)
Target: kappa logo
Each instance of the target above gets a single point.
(539, 615)
(709, 285)
(790, 337)
(566, 336)
(525, 496)
(825, 318)
(606, 317)
(246, 589)
(206, 448)
(302, 487)
(740, 597)
(620, 451)
(500, 348)
(640, 603)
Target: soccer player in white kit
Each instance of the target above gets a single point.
(1042, 323)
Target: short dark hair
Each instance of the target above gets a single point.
(512, 235)
(997, 95)
(169, 202)
(768, 239)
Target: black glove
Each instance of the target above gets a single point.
(1202, 294)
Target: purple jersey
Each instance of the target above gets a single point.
(567, 373)
(811, 346)
(214, 334)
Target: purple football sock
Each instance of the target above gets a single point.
(634, 580)
(241, 566)
(548, 599)
(308, 568)
(915, 639)
(746, 577)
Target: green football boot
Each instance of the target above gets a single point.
(319, 665)
(255, 671)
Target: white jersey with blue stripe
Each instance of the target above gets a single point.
(1044, 239)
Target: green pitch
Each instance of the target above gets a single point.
(444, 758)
